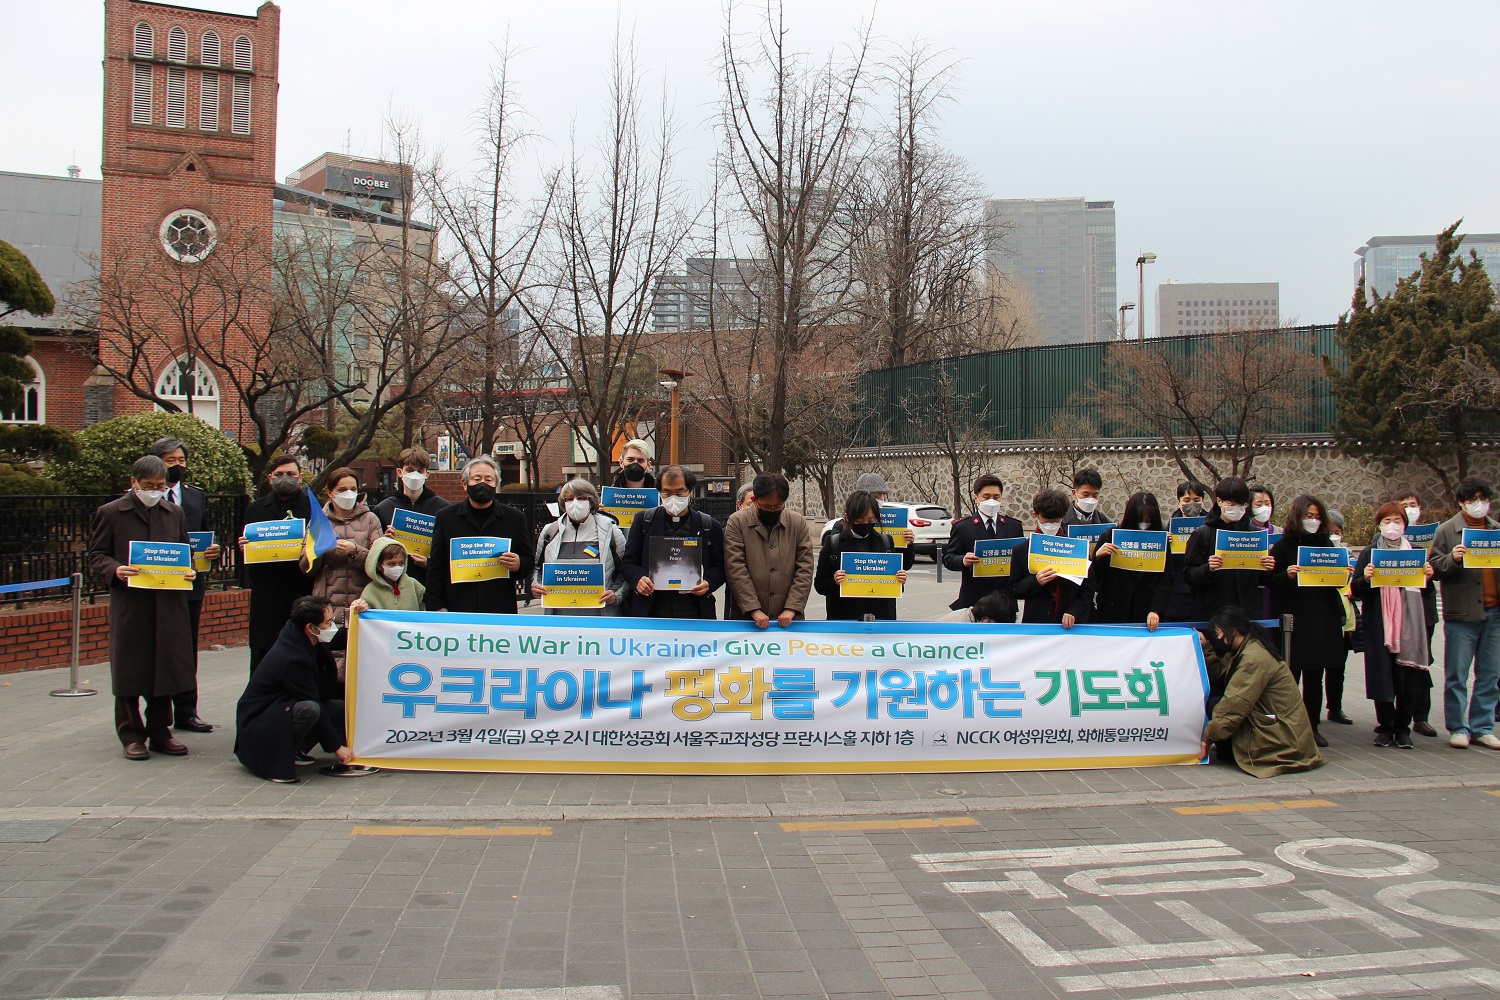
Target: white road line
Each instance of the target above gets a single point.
(1128, 946)
(1262, 967)
(1076, 857)
(553, 993)
(1441, 983)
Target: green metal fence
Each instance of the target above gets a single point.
(1016, 393)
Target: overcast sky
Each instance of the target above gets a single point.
(1239, 142)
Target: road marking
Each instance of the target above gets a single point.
(1250, 807)
(545, 993)
(1441, 983)
(1260, 967)
(1127, 945)
(866, 825)
(1075, 857)
(1094, 881)
(452, 831)
(1416, 862)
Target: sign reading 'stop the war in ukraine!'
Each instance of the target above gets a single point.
(624, 504)
(1241, 549)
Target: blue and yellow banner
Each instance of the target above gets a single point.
(476, 559)
(1322, 566)
(870, 574)
(1139, 551)
(895, 521)
(1069, 556)
(1241, 549)
(994, 556)
(1421, 535)
(413, 530)
(275, 541)
(1481, 548)
(575, 585)
(1399, 567)
(161, 565)
(1089, 531)
(624, 504)
(1181, 529)
(200, 541)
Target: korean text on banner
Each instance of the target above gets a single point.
(994, 555)
(1182, 529)
(1322, 566)
(656, 696)
(1089, 531)
(1398, 567)
(1481, 548)
(624, 504)
(1139, 551)
(161, 565)
(894, 521)
(1421, 535)
(1069, 556)
(1241, 549)
(275, 541)
(413, 530)
(477, 558)
(200, 542)
(870, 574)
(573, 585)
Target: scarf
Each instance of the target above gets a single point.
(1402, 616)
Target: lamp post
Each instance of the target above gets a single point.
(1140, 293)
(1123, 309)
(673, 381)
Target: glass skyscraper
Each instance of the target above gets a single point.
(1062, 251)
(1384, 260)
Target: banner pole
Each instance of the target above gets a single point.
(73, 690)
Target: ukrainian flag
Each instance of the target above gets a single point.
(320, 535)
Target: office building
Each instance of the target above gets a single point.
(367, 184)
(1384, 260)
(1062, 251)
(714, 292)
(1186, 307)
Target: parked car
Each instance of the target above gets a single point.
(928, 522)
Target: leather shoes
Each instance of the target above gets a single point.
(1337, 715)
(1320, 739)
(1425, 728)
(137, 751)
(169, 746)
(193, 724)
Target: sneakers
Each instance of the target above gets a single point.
(1382, 739)
(303, 759)
(285, 781)
(1403, 740)
(1489, 741)
(1459, 741)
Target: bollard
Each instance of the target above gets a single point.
(937, 557)
(1286, 639)
(73, 690)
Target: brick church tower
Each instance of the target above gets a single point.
(189, 171)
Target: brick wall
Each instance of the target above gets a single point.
(42, 639)
(65, 365)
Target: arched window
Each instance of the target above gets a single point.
(178, 377)
(242, 52)
(33, 409)
(176, 44)
(145, 41)
(210, 48)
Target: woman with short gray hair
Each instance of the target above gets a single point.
(581, 534)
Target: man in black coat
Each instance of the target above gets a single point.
(479, 516)
(413, 495)
(194, 504)
(274, 586)
(1215, 587)
(675, 518)
(987, 523)
(288, 704)
(1050, 599)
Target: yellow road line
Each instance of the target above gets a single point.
(826, 826)
(1250, 807)
(452, 831)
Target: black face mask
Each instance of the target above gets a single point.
(480, 493)
(770, 518)
(176, 473)
(1219, 646)
(860, 530)
(634, 473)
(286, 486)
(1192, 510)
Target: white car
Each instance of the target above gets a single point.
(928, 522)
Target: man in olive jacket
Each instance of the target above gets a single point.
(769, 557)
(1471, 621)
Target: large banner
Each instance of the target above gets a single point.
(455, 692)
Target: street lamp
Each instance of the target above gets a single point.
(1140, 293)
(1123, 309)
(673, 381)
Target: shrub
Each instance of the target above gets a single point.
(106, 451)
(1359, 525)
(20, 480)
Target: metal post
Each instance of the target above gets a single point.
(937, 556)
(1286, 639)
(73, 690)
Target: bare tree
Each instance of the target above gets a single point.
(958, 419)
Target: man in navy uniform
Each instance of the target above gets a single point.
(986, 523)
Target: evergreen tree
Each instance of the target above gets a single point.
(1420, 366)
(21, 289)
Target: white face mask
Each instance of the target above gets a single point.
(1392, 531)
(1477, 508)
(413, 481)
(393, 572)
(1143, 525)
(1310, 525)
(345, 500)
(676, 506)
(327, 634)
(1336, 539)
(1049, 527)
(1086, 505)
(577, 509)
(1413, 515)
(1232, 512)
(989, 508)
(150, 497)
(1262, 513)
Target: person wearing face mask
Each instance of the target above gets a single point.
(479, 515)
(194, 504)
(391, 586)
(1213, 586)
(987, 523)
(149, 630)
(675, 518)
(1317, 648)
(1262, 508)
(1471, 622)
(635, 467)
(1126, 596)
(1181, 605)
(1397, 654)
(274, 586)
(858, 531)
(1260, 715)
(293, 701)
(1087, 484)
(583, 532)
(1050, 599)
(769, 557)
(415, 496)
(1421, 703)
(339, 574)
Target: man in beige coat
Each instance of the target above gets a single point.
(769, 556)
